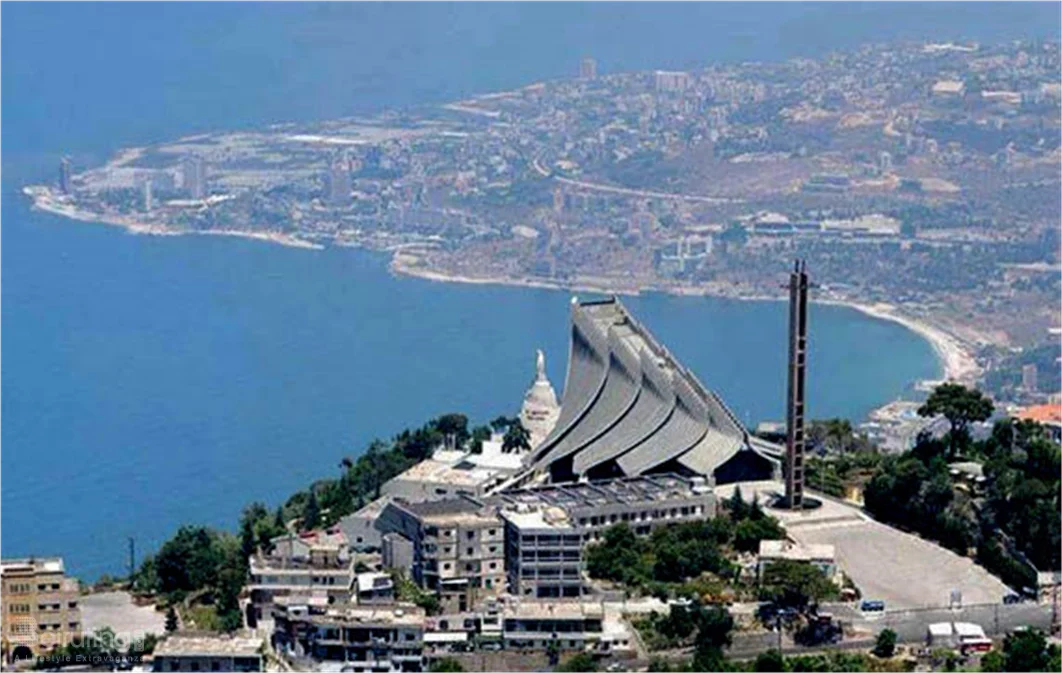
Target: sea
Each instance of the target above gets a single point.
(149, 382)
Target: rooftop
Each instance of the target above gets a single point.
(449, 511)
(205, 645)
(553, 610)
(22, 565)
(1049, 414)
(542, 517)
(598, 493)
(392, 615)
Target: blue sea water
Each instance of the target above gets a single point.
(148, 382)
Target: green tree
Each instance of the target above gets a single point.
(446, 665)
(993, 661)
(961, 406)
(1025, 651)
(311, 513)
(793, 584)
(171, 620)
(714, 630)
(581, 661)
(770, 661)
(885, 645)
(517, 438)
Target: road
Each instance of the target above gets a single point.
(536, 164)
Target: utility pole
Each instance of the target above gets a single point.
(132, 559)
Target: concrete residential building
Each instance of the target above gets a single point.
(449, 474)
(188, 652)
(374, 588)
(364, 638)
(360, 527)
(544, 553)
(572, 625)
(547, 526)
(40, 607)
(458, 548)
(644, 503)
(318, 563)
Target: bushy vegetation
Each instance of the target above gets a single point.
(1021, 501)
(773, 661)
(205, 570)
(675, 557)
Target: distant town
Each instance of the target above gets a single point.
(920, 181)
(634, 523)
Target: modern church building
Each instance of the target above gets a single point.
(630, 408)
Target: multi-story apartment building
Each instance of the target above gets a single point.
(547, 526)
(317, 563)
(544, 553)
(644, 503)
(40, 607)
(208, 652)
(458, 548)
(366, 638)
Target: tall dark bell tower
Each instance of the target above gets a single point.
(798, 348)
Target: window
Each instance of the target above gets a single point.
(72, 626)
(492, 532)
(72, 605)
(493, 565)
(471, 535)
(19, 608)
(493, 549)
(446, 566)
(470, 551)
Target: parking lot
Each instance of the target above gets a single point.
(901, 569)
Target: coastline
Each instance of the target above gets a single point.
(41, 201)
(956, 360)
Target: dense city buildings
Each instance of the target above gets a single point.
(40, 607)
(906, 174)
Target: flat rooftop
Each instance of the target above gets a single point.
(23, 565)
(630, 490)
(552, 610)
(538, 518)
(208, 646)
(449, 511)
(389, 615)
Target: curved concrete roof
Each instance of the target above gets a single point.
(628, 401)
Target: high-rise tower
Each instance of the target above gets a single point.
(798, 348)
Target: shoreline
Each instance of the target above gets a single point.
(44, 203)
(955, 359)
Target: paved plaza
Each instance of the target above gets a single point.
(117, 610)
(901, 569)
